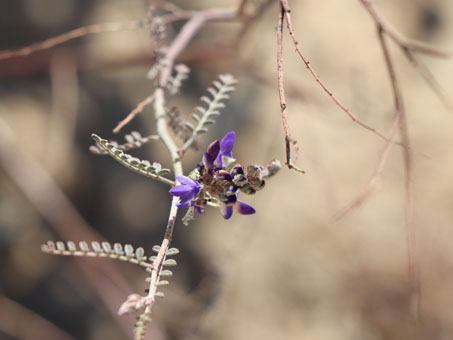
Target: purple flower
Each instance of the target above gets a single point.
(241, 207)
(219, 154)
(187, 191)
(210, 156)
(226, 147)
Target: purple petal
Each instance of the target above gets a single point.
(180, 190)
(230, 199)
(208, 161)
(243, 208)
(186, 198)
(200, 210)
(227, 143)
(226, 211)
(213, 149)
(185, 180)
(184, 205)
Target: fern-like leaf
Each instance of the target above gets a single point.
(125, 253)
(142, 167)
(205, 116)
(175, 83)
(134, 140)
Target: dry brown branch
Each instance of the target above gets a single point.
(374, 179)
(75, 33)
(138, 109)
(411, 245)
(250, 19)
(13, 318)
(286, 10)
(429, 78)
(53, 205)
(400, 39)
(410, 46)
(288, 139)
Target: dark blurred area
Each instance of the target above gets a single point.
(288, 272)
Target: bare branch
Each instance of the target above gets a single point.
(409, 47)
(138, 109)
(400, 39)
(413, 263)
(73, 34)
(286, 10)
(288, 139)
(374, 179)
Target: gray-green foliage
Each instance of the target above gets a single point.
(142, 167)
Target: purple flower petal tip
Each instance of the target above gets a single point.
(187, 191)
(243, 208)
(200, 210)
(180, 190)
(227, 143)
(226, 211)
(185, 180)
(208, 161)
(213, 149)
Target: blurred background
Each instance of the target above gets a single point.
(291, 271)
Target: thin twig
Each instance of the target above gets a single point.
(249, 20)
(400, 39)
(13, 318)
(73, 34)
(54, 206)
(374, 179)
(288, 139)
(429, 78)
(410, 46)
(413, 263)
(138, 109)
(286, 10)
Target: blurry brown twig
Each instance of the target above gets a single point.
(409, 211)
(53, 205)
(409, 47)
(61, 130)
(14, 316)
(430, 79)
(373, 181)
(138, 109)
(73, 34)
(250, 19)
(400, 39)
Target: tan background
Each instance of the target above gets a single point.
(288, 272)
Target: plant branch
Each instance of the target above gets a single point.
(138, 109)
(281, 89)
(411, 241)
(400, 39)
(374, 179)
(13, 318)
(286, 11)
(54, 206)
(73, 34)
(183, 38)
(410, 46)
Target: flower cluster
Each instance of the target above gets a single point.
(216, 181)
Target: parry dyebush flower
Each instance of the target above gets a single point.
(226, 147)
(217, 182)
(187, 191)
(240, 207)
